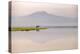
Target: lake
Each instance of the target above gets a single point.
(49, 39)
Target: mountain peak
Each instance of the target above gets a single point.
(42, 13)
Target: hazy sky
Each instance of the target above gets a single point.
(67, 11)
(26, 8)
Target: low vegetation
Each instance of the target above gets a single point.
(26, 29)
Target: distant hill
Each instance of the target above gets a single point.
(43, 18)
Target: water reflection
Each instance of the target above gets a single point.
(45, 35)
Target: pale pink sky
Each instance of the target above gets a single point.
(26, 8)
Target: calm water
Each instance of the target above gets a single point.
(45, 35)
(50, 39)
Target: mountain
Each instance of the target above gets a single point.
(41, 14)
(43, 18)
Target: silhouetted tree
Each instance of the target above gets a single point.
(37, 28)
